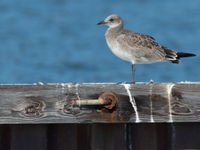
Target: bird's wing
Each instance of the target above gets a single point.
(142, 45)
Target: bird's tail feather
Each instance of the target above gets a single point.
(174, 56)
(181, 54)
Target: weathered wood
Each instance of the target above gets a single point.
(142, 136)
(151, 136)
(5, 137)
(109, 136)
(52, 103)
(28, 137)
(62, 136)
(185, 135)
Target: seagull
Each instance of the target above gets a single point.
(137, 48)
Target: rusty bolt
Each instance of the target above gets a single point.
(107, 99)
(110, 99)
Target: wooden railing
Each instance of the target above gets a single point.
(84, 103)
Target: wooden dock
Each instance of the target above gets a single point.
(100, 116)
(141, 103)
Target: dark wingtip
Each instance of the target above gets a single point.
(175, 61)
(181, 54)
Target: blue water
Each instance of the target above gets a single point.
(58, 40)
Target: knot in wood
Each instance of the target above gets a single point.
(180, 109)
(68, 104)
(30, 109)
(110, 99)
(33, 107)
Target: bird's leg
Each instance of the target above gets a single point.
(133, 73)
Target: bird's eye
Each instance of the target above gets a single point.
(111, 20)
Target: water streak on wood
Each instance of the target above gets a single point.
(132, 101)
(169, 91)
(151, 105)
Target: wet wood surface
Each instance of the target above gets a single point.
(142, 103)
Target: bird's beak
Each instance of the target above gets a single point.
(102, 22)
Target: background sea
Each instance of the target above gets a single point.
(58, 40)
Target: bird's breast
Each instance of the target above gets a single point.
(119, 51)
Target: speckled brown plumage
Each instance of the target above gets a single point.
(135, 47)
(141, 48)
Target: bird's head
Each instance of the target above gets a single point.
(112, 21)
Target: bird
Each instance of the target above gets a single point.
(137, 48)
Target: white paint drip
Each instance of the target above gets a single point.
(69, 86)
(169, 91)
(57, 90)
(151, 105)
(77, 85)
(63, 87)
(132, 101)
(57, 86)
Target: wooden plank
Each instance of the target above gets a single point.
(163, 131)
(69, 136)
(109, 136)
(142, 136)
(83, 136)
(28, 137)
(5, 137)
(185, 136)
(52, 103)
(158, 136)
(62, 136)
(101, 136)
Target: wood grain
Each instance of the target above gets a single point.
(52, 103)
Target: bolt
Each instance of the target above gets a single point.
(107, 99)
